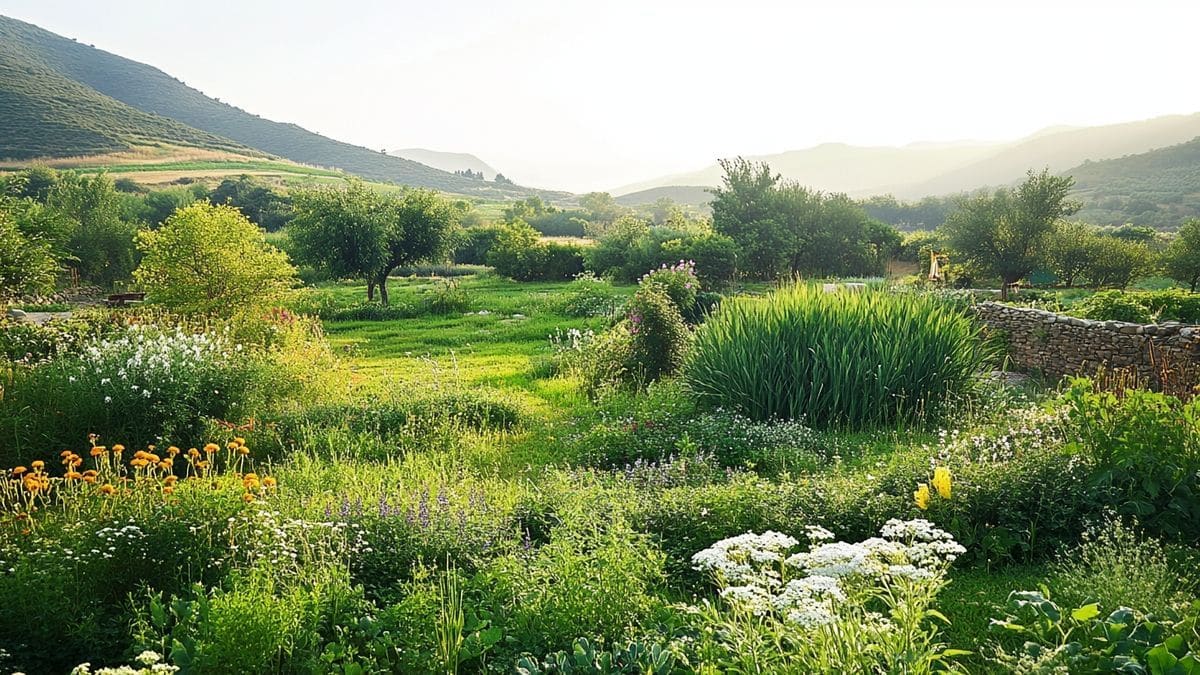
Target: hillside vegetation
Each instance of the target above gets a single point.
(1160, 188)
(93, 73)
(44, 114)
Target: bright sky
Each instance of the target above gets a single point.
(592, 95)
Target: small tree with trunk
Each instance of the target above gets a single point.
(1181, 260)
(1004, 233)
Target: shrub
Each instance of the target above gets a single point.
(475, 243)
(448, 298)
(520, 254)
(562, 261)
(1115, 567)
(1145, 449)
(714, 255)
(659, 336)
(678, 282)
(211, 259)
(588, 296)
(1114, 305)
(154, 385)
(1173, 305)
(835, 359)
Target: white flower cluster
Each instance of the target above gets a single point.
(753, 579)
(741, 559)
(290, 543)
(1028, 429)
(148, 664)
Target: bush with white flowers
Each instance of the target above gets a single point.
(783, 608)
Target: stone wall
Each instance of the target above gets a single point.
(1057, 345)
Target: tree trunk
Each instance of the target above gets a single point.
(1004, 284)
(370, 290)
(383, 291)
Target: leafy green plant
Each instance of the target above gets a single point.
(1114, 305)
(835, 359)
(1145, 450)
(584, 658)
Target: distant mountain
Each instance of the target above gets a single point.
(1160, 188)
(158, 95)
(447, 161)
(924, 169)
(1060, 151)
(838, 167)
(691, 195)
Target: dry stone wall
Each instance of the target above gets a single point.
(1057, 345)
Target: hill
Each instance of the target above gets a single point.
(838, 167)
(154, 92)
(1061, 152)
(929, 169)
(447, 161)
(44, 114)
(1160, 188)
(688, 195)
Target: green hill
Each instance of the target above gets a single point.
(158, 95)
(44, 114)
(688, 195)
(1160, 188)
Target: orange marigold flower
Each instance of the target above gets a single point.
(118, 448)
(138, 463)
(171, 480)
(211, 448)
(231, 445)
(239, 440)
(107, 489)
(98, 450)
(172, 451)
(268, 481)
(65, 453)
(168, 490)
(247, 497)
(38, 465)
(19, 470)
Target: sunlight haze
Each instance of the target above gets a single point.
(592, 96)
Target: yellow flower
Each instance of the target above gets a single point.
(38, 465)
(211, 448)
(107, 489)
(921, 496)
(19, 470)
(268, 481)
(247, 497)
(239, 440)
(941, 481)
(98, 450)
(118, 448)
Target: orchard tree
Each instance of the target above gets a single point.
(1181, 260)
(1069, 250)
(100, 242)
(213, 260)
(342, 230)
(421, 227)
(1004, 233)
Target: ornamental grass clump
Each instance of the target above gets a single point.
(845, 359)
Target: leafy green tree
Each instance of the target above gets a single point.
(601, 207)
(213, 260)
(783, 227)
(1069, 250)
(34, 183)
(1004, 233)
(260, 203)
(1181, 260)
(342, 230)
(421, 228)
(1115, 263)
(27, 264)
(916, 246)
(100, 244)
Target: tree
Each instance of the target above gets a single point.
(1181, 260)
(421, 227)
(601, 207)
(1003, 233)
(100, 243)
(1116, 262)
(212, 259)
(342, 230)
(783, 227)
(259, 202)
(27, 264)
(1069, 250)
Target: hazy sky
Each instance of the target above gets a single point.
(593, 95)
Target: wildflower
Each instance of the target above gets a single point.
(941, 481)
(921, 496)
(172, 451)
(118, 449)
(211, 448)
(268, 481)
(247, 497)
(107, 489)
(19, 470)
(38, 465)
(98, 450)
